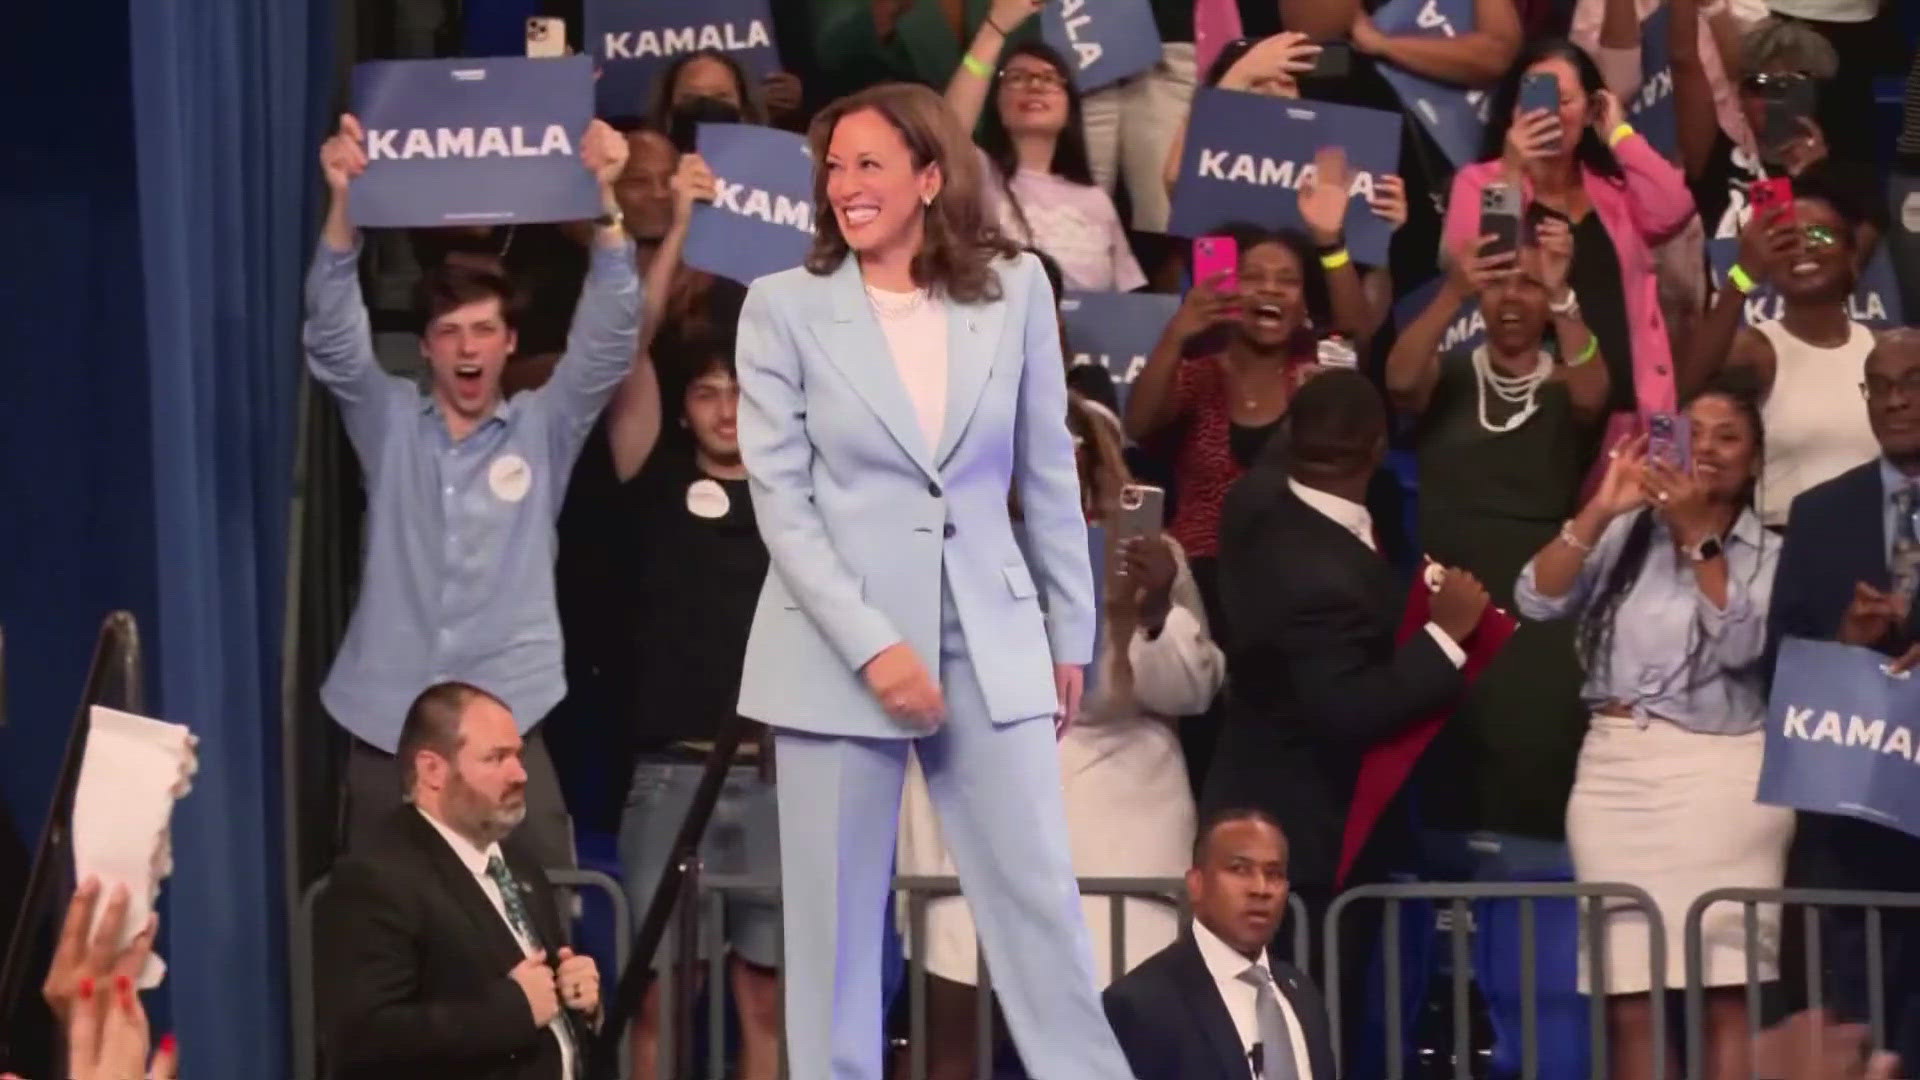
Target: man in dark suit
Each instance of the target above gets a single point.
(1213, 1005)
(1847, 572)
(434, 939)
(1315, 676)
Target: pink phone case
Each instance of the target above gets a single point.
(1214, 256)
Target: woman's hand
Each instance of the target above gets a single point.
(1532, 139)
(91, 955)
(107, 1036)
(1608, 114)
(1681, 499)
(1553, 250)
(1623, 489)
(1472, 273)
(1323, 200)
(1277, 62)
(1389, 199)
(1767, 242)
(904, 687)
(1797, 154)
(782, 92)
(692, 181)
(1069, 682)
(1146, 574)
(1007, 15)
(1204, 305)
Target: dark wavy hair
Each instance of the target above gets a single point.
(1070, 159)
(958, 246)
(752, 111)
(1738, 387)
(1591, 151)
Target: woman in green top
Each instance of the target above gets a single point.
(1502, 433)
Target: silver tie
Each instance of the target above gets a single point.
(1276, 1048)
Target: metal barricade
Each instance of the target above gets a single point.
(306, 1042)
(1811, 902)
(1594, 898)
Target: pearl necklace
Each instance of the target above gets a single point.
(895, 305)
(1518, 390)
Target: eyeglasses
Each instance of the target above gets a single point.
(1819, 236)
(1880, 388)
(1019, 79)
(1774, 80)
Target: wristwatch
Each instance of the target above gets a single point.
(1704, 550)
(1565, 306)
(612, 219)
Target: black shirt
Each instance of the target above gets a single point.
(1595, 277)
(695, 567)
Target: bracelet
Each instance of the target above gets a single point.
(1334, 260)
(1592, 350)
(1572, 305)
(977, 66)
(1619, 134)
(996, 26)
(1572, 541)
(1738, 277)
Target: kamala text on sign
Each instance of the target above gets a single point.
(1455, 118)
(727, 37)
(1841, 735)
(761, 219)
(473, 141)
(635, 40)
(1106, 40)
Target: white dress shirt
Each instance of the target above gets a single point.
(1226, 964)
(1357, 520)
(917, 337)
(475, 860)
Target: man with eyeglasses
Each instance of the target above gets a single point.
(1848, 573)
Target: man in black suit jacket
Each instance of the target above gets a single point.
(1835, 582)
(433, 940)
(1314, 674)
(1192, 1011)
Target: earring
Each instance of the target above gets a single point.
(926, 200)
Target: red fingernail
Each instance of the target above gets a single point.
(168, 1044)
(86, 989)
(125, 986)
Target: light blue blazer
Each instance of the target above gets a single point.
(860, 517)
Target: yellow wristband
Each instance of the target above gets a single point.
(1334, 260)
(977, 66)
(1592, 350)
(1740, 279)
(1619, 134)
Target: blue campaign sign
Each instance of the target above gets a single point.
(1116, 331)
(1841, 734)
(1875, 302)
(1455, 117)
(1651, 110)
(1247, 156)
(1104, 40)
(466, 142)
(633, 40)
(761, 219)
(1467, 329)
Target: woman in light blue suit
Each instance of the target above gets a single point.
(894, 391)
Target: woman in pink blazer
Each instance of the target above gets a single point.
(1621, 198)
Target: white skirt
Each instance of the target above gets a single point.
(1130, 813)
(1672, 811)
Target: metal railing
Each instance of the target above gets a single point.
(1812, 904)
(1598, 901)
(306, 1041)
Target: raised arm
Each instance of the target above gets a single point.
(1153, 403)
(1722, 339)
(1047, 480)
(606, 325)
(1476, 58)
(337, 336)
(1323, 207)
(1657, 192)
(1413, 367)
(1582, 370)
(972, 82)
(1697, 119)
(1557, 581)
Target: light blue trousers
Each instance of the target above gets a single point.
(997, 791)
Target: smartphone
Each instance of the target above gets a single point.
(1141, 508)
(1670, 440)
(1500, 217)
(1540, 91)
(1216, 261)
(1768, 196)
(546, 37)
(1334, 62)
(1788, 100)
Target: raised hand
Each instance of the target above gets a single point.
(1323, 200)
(692, 181)
(1473, 271)
(1389, 199)
(1553, 253)
(604, 152)
(343, 157)
(1622, 490)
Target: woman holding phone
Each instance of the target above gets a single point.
(894, 390)
(1669, 574)
(1581, 162)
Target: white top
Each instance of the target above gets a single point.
(475, 860)
(1815, 419)
(1358, 520)
(915, 324)
(1226, 965)
(1847, 11)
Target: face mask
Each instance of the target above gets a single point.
(683, 122)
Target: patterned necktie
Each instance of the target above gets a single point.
(1276, 1047)
(516, 906)
(1904, 565)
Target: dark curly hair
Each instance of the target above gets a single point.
(959, 244)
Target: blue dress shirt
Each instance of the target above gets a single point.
(1663, 618)
(458, 579)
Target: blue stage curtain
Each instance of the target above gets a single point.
(228, 101)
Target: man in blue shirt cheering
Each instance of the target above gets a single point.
(463, 489)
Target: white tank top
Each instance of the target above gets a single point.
(1847, 11)
(1815, 418)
